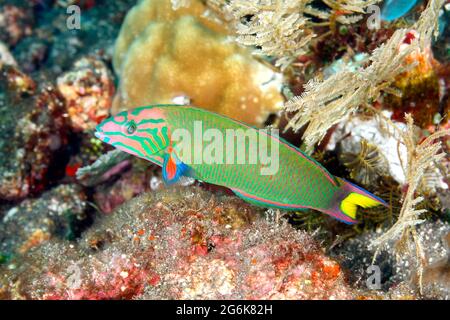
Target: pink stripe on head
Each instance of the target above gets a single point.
(119, 118)
(110, 126)
(150, 125)
(128, 142)
(139, 114)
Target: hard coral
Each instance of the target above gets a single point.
(88, 91)
(177, 243)
(162, 55)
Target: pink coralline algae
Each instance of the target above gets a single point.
(87, 90)
(179, 243)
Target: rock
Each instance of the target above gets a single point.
(87, 90)
(180, 244)
(34, 133)
(132, 182)
(350, 133)
(57, 213)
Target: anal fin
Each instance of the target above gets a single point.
(261, 202)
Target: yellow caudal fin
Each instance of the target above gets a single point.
(355, 196)
(348, 198)
(350, 204)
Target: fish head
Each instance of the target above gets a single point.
(141, 132)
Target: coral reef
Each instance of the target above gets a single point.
(33, 136)
(16, 21)
(370, 102)
(420, 91)
(57, 213)
(180, 243)
(356, 255)
(342, 93)
(163, 55)
(87, 91)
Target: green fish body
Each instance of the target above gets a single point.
(258, 166)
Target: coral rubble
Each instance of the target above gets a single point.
(180, 244)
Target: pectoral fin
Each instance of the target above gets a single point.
(173, 168)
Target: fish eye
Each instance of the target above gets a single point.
(131, 127)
